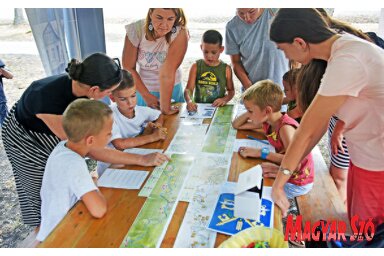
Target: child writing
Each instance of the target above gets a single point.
(289, 83)
(263, 102)
(3, 99)
(210, 79)
(87, 125)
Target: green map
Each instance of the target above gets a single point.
(220, 136)
(151, 223)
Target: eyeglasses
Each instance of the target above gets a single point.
(117, 61)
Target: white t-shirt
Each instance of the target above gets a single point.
(151, 54)
(356, 69)
(124, 127)
(66, 179)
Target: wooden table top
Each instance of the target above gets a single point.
(80, 229)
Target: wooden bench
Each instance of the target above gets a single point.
(323, 201)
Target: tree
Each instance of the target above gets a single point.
(19, 17)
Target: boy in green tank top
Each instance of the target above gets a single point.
(210, 79)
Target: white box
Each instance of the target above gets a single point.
(248, 194)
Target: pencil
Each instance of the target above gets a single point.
(261, 141)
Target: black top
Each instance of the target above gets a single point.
(49, 95)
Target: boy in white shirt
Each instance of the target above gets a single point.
(130, 120)
(88, 125)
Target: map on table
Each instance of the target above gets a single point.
(220, 136)
(207, 169)
(193, 232)
(189, 138)
(223, 115)
(151, 223)
(220, 139)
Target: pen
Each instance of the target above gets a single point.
(253, 138)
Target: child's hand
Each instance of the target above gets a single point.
(160, 134)
(191, 107)
(219, 102)
(153, 125)
(336, 142)
(249, 152)
(270, 170)
(154, 159)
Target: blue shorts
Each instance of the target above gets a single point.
(177, 95)
(292, 190)
(3, 105)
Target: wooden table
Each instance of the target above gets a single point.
(80, 229)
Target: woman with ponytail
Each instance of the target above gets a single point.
(34, 126)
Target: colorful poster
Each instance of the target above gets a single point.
(224, 221)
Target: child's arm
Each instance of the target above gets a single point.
(337, 137)
(230, 89)
(114, 156)
(158, 123)
(243, 122)
(188, 92)
(95, 203)
(295, 113)
(123, 143)
(270, 170)
(6, 73)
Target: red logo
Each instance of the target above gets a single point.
(331, 230)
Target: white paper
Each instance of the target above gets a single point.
(142, 151)
(252, 144)
(126, 179)
(240, 109)
(203, 111)
(249, 179)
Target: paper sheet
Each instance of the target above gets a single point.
(126, 179)
(142, 151)
(203, 111)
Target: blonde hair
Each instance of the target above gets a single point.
(85, 117)
(179, 21)
(265, 93)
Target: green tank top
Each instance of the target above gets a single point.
(211, 82)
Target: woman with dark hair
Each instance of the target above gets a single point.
(158, 45)
(353, 89)
(34, 126)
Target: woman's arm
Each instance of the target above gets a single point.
(312, 127)
(240, 72)
(54, 123)
(129, 59)
(6, 73)
(175, 56)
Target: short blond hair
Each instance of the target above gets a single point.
(85, 117)
(265, 93)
